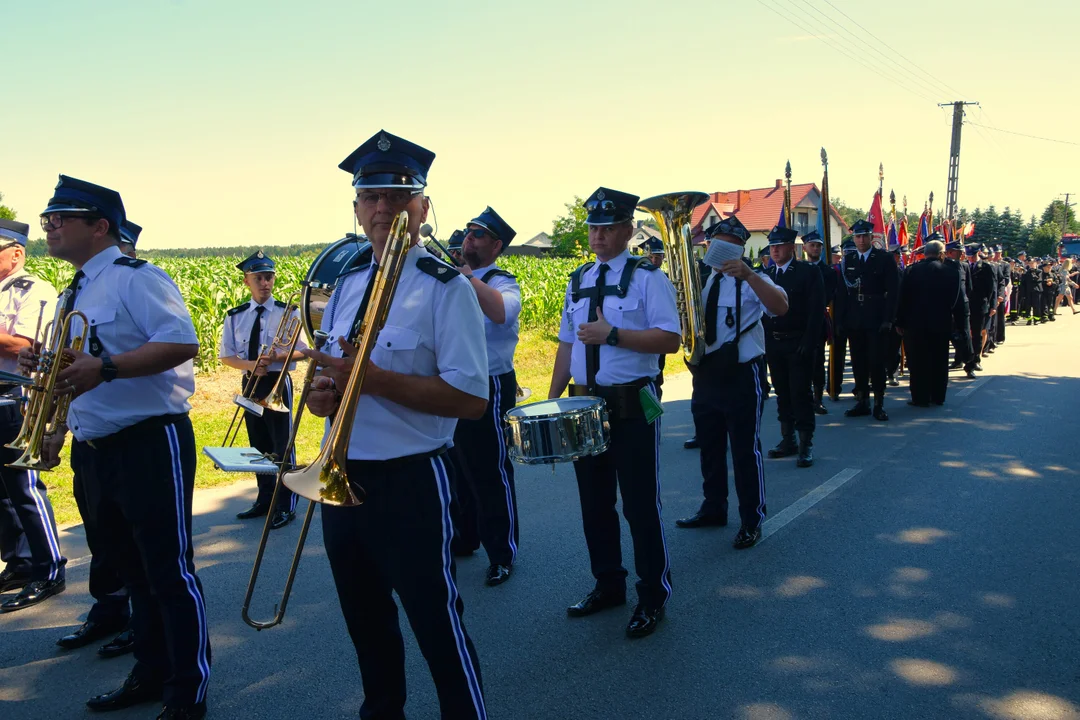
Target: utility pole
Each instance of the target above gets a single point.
(954, 155)
(1065, 213)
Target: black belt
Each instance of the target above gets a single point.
(120, 436)
(403, 460)
(622, 399)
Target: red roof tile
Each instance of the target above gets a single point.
(757, 209)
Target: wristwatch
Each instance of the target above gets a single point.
(108, 369)
(613, 337)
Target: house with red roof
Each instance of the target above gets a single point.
(759, 209)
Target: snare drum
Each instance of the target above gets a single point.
(560, 430)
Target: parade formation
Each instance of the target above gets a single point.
(410, 349)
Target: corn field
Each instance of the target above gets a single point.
(212, 285)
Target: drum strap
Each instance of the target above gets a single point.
(358, 321)
(592, 352)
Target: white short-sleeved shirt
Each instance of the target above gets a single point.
(752, 342)
(129, 305)
(649, 303)
(24, 299)
(237, 330)
(433, 328)
(502, 338)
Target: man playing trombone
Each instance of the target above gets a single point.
(249, 342)
(428, 368)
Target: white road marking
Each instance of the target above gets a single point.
(806, 502)
(968, 389)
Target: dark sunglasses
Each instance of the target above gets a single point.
(481, 233)
(605, 205)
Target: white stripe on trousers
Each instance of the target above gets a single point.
(664, 580)
(292, 452)
(189, 580)
(757, 445)
(443, 484)
(496, 410)
(46, 523)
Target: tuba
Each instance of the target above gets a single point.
(672, 213)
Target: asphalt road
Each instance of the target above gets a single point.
(926, 567)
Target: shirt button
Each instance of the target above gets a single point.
(389, 344)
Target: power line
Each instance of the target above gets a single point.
(1033, 137)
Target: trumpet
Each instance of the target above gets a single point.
(46, 412)
(285, 337)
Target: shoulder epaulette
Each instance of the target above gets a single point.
(279, 303)
(238, 308)
(497, 272)
(129, 262)
(436, 269)
(20, 283)
(646, 264)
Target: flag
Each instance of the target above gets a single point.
(901, 232)
(875, 217)
(969, 229)
(891, 238)
(782, 222)
(924, 229)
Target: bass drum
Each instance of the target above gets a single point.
(322, 278)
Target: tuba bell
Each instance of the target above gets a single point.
(672, 213)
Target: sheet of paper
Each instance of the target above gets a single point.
(720, 251)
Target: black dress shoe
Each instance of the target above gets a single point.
(747, 538)
(880, 414)
(859, 410)
(970, 374)
(956, 364)
(702, 519)
(596, 601)
(498, 574)
(281, 518)
(36, 591)
(691, 444)
(132, 692)
(10, 580)
(893, 382)
(122, 644)
(819, 408)
(644, 621)
(183, 712)
(90, 631)
(257, 510)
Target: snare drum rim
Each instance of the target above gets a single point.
(590, 407)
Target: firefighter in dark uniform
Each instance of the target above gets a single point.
(867, 308)
(134, 447)
(894, 344)
(813, 246)
(730, 388)
(1017, 268)
(486, 486)
(961, 337)
(428, 368)
(840, 343)
(29, 545)
(982, 301)
(619, 316)
(1029, 290)
(246, 338)
(791, 344)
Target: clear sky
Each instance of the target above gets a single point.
(222, 122)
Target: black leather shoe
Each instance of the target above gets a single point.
(596, 601)
(806, 449)
(819, 408)
(281, 518)
(122, 644)
(956, 364)
(880, 414)
(859, 410)
(36, 591)
(977, 367)
(255, 511)
(183, 712)
(702, 519)
(785, 448)
(10, 580)
(746, 538)
(132, 692)
(90, 631)
(498, 574)
(691, 444)
(893, 382)
(644, 621)
(970, 374)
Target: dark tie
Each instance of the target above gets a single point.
(711, 303)
(358, 320)
(74, 288)
(256, 333)
(592, 356)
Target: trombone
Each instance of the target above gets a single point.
(45, 412)
(285, 337)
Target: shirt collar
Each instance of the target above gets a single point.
(615, 264)
(783, 268)
(479, 272)
(93, 267)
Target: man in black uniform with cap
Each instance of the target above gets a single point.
(867, 308)
(791, 342)
(982, 301)
(838, 353)
(961, 336)
(814, 247)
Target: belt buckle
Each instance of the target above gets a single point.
(860, 296)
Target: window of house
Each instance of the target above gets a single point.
(803, 220)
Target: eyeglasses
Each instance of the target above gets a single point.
(10, 245)
(480, 233)
(394, 198)
(55, 221)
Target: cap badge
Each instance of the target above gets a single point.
(384, 143)
(259, 255)
(600, 195)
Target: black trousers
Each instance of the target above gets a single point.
(999, 327)
(270, 434)
(928, 365)
(836, 369)
(487, 501)
(142, 479)
(398, 540)
(820, 367)
(727, 409)
(868, 349)
(893, 345)
(630, 466)
(790, 374)
(28, 540)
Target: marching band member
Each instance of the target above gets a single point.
(619, 315)
(486, 486)
(29, 547)
(248, 329)
(129, 236)
(429, 368)
(134, 447)
(730, 388)
(791, 346)
(866, 307)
